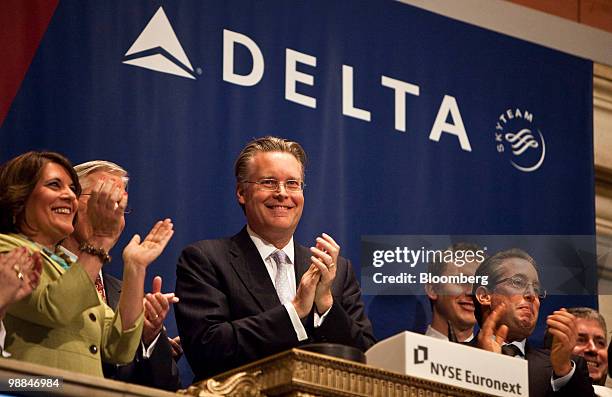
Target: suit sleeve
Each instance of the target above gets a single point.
(580, 382)
(215, 335)
(118, 345)
(346, 322)
(158, 371)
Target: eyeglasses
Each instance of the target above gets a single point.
(272, 185)
(126, 211)
(520, 283)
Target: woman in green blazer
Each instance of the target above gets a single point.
(64, 323)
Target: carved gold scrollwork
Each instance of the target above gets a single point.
(242, 384)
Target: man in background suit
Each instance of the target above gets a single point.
(507, 309)
(258, 292)
(159, 369)
(153, 365)
(592, 342)
(451, 304)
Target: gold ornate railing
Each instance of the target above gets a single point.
(301, 373)
(292, 373)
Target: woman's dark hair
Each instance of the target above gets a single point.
(18, 177)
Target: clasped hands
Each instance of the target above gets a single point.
(315, 285)
(561, 325)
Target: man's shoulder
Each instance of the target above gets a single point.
(204, 245)
(218, 246)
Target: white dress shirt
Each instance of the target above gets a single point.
(265, 250)
(5, 354)
(434, 333)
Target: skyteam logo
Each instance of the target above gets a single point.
(519, 140)
(157, 48)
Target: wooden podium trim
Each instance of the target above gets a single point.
(73, 383)
(301, 373)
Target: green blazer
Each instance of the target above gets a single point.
(64, 323)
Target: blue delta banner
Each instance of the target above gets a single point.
(414, 123)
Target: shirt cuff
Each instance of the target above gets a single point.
(558, 383)
(318, 320)
(298, 327)
(3, 353)
(147, 351)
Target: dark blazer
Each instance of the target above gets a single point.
(159, 370)
(540, 371)
(229, 313)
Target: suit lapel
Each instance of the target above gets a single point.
(249, 266)
(302, 261)
(539, 370)
(112, 287)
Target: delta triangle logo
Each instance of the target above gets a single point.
(157, 48)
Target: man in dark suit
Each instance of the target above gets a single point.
(153, 364)
(592, 342)
(507, 307)
(159, 369)
(259, 292)
(451, 303)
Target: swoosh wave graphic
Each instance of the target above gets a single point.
(521, 141)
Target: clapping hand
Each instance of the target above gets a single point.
(325, 257)
(156, 308)
(562, 326)
(19, 275)
(491, 336)
(305, 294)
(31, 268)
(105, 212)
(142, 253)
(177, 349)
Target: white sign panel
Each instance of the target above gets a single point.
(451, 363)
